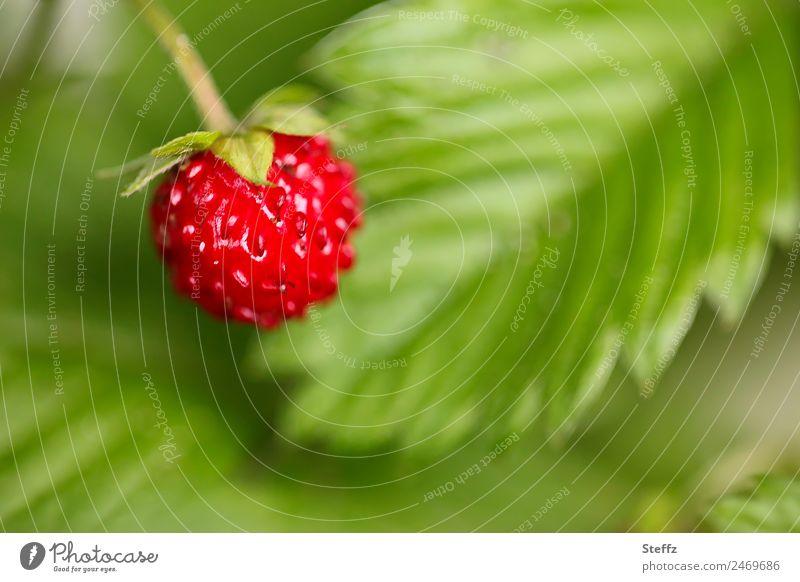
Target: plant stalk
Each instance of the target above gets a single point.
(204, 92)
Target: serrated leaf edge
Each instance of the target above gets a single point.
(186, 144)
(158, 167)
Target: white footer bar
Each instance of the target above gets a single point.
(400, 557)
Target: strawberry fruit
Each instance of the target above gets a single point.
(258, 253)
(254, 217)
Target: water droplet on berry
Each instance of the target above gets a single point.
(244, 313)
(175, 195)
(259, 248)
(304, 171)
(300, 223)
(218, 288)
(195, 169)
(241, 278)
(300, 203)
(274, 201)
(341, 224)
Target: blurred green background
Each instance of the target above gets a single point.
(486, 133)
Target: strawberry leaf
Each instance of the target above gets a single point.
(250, 154)
(153, 168)
(186, 144)
(772, 505)
(287, 110)
(95, 456)
(569, 214)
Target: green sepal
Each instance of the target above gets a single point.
(126, 168)
(250, 154)
(186, 144)
(161, 159)
(287, 110)
(152, 169)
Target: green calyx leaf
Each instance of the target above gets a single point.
(250, 154)
(161, 159)
(126, 168)
(287, 110)
(151, 169)
(186, 144)
(284, 110)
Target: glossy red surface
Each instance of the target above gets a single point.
(258, 253)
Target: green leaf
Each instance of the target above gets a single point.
(186, 144)
(250, 154)
(161, 159)
(772, 505)
(153, 168)
(288, 110)
(127, 167)
(496, 150)
(90, 458)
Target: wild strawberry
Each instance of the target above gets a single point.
(254, 217)
(258, 253)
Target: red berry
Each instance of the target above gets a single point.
(258, 253)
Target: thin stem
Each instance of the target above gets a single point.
(209, 102)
